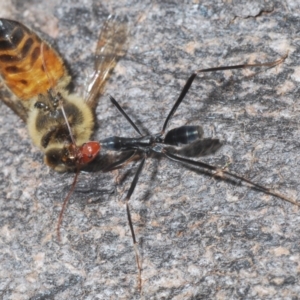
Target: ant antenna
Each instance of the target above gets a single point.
(73, 147)
(65, 203)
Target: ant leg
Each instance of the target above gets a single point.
(244, 66)
(179, 100)
(120, 109)
(120, 162)
(193, 76)
(129, 193)
(227, 175)
(197, 148)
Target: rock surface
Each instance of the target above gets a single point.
(199, 237)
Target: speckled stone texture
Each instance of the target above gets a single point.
(199, 237)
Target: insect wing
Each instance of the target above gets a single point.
(13, 102)
(112, 45)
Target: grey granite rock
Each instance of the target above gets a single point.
(199, 237)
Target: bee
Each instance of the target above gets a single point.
(59, 123)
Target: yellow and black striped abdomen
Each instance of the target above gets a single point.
(23, 60)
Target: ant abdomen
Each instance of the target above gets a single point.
(183, 135)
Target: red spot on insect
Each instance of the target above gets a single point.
(88, 152)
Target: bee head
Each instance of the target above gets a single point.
(71, 157)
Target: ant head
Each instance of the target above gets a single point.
(88, 152)
(78, 157)
(73, 157)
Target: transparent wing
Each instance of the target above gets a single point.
(13, 102)
(112, 45)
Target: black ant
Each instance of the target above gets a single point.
(179, 144)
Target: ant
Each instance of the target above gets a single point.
(179, 144)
